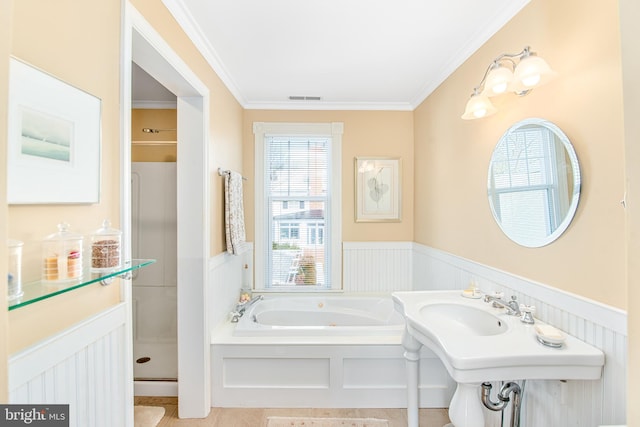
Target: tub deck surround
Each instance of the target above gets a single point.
(225, 335)
(320, 372)
(321, 315)
(349, 365)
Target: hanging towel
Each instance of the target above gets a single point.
(234, 213)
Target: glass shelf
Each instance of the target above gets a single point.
(39, 290)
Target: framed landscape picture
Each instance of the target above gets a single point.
(53, 146)
(377, 189)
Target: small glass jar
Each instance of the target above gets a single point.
(105, 248)
(14, 270)
(62, 256)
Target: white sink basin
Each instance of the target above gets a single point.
(477, 342)
(463, 319)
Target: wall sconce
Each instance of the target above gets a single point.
(509, 72)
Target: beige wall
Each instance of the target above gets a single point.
(145, 146)
(225, 113)
(451, 210)
(161, 118)
(366, 133)
(629, 12)
(5, 49)
(46, 35)
(79, 42)
(585, 101)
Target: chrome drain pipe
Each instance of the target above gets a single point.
(503, 400)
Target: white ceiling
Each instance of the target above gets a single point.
(354, 54)
(146, 92)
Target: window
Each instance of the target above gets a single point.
(525, 172)
(298, 209)
(315, 233)
(289, 231)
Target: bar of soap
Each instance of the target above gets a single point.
(548, 331)
(471, 293)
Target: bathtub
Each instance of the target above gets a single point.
(315, 316)
(319, 352)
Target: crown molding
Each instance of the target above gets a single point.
(498, 21)
(332, 106)
(193, 31)
(189, 25)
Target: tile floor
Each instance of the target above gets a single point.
(257, 417)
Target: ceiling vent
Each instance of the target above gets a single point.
(304, 98)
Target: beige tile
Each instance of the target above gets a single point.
(257, 417)
(434, 417)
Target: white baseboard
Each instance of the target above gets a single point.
(155, 388)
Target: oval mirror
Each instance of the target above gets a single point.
(534, 182)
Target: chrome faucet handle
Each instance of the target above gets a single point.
(514, 307)
(496, 295)
(235, 316)
(527, 313)
(499, 295)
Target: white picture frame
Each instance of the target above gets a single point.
(53, 141)
(378, 189)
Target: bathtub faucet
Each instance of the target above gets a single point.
(241, 307)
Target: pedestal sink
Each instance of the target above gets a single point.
(462, 319)
(478, 343)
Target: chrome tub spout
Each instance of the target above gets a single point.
(241, 307)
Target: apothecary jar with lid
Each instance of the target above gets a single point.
(14, 270)
(62, 256)
(105, 248)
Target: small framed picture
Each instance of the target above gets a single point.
(53, 142)
(377, 191)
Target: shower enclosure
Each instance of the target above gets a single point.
(154, 235)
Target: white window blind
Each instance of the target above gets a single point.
(296, 178)
(525, 174)
(298, 225)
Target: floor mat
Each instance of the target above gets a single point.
(325, 422)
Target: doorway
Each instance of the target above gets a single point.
(144, 46)
(154, 235)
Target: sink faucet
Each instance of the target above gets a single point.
(241, 307)
(512, 307)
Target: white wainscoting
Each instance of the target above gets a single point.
(84, 366)
(384, 267)
(328, 372)
(228, 274)
(547, 403)
(379, 267)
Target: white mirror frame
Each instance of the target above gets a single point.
(572, 162)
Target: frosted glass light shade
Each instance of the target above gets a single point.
(498, 80)
(477, 107)
(531, 71)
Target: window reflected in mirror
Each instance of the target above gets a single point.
(533, 182)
